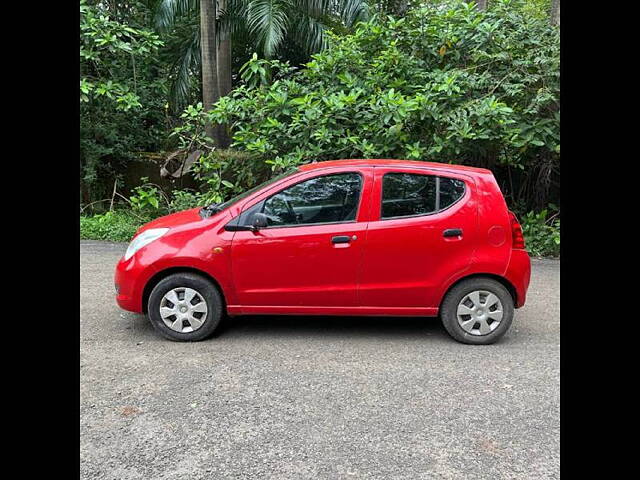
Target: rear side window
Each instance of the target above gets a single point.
(409, 194)
(451, 190)
(405, 194)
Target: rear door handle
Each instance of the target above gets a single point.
(341, 239)
(452, 232)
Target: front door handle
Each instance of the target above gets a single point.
(452, 232)
(341, 239)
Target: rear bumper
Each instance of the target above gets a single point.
(519, 274)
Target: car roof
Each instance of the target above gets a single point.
(383, 162)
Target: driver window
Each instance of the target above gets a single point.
(327, 199)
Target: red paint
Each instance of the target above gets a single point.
(400, 266)
(407, 259)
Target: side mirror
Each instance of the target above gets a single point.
(259, 221)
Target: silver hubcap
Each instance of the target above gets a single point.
(480, 312)
(183, 309)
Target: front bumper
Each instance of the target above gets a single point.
(130, 278)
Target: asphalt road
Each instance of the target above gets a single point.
(316, 397)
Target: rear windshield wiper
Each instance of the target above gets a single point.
(210, 210)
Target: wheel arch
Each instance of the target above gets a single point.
(502, 280)
(162, 274)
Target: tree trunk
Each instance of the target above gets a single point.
(224, 58)
(210, 89)
(401, 8)
(482, 4)
(555, 13)
(224, 69)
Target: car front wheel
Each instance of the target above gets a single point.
(185, 307)
(477, 311)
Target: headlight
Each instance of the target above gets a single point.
(145, 238)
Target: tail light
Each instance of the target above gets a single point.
(516, 232)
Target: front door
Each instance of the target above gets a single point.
(311, 252)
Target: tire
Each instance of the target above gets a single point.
(194, 329)
(461, 296)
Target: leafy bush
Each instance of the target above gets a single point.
(185, 199)
(222, 173)
(446, 83)
(541, 233)
(122, 94)
(114, 226)
(147, 197)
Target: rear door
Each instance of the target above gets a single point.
(422, 232)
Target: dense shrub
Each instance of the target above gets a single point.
(541, 233)
(446, 83)
(186, 199)
(115, 226)
(221, 172)
(122, 95)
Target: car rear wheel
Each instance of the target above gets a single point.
(477, 311)
(185, 307)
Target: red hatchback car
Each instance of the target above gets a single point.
(346, 237)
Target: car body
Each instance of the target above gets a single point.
(362, 254)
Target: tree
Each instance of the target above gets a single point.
(447, 84)
(208, 47)
(105, 44)
(268, 26)
(482, 4)
(224, 56)
(119, 87)
(224, 70)
(555, 13)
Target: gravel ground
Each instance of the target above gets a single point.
(316, 397)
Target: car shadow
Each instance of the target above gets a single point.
(329, 326)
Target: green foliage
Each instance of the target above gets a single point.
(221, 173)
(286, 29)
(445, 83)
(103, 44)
(114, 226)
(257, 72)
(440, 81)
(541, 233)
(122, 95)
(146, 197)
(186, 199)
(536, 8)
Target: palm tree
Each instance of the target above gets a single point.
(555, 13)
(209, 59)
(224, 56)
(481, 4)
(268, 25)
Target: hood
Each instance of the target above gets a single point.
(174, 220)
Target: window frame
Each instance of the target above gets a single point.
(436, 211)
(262, 202)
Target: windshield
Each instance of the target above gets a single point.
(239, 197)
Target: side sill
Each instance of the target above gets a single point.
(355, 311)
